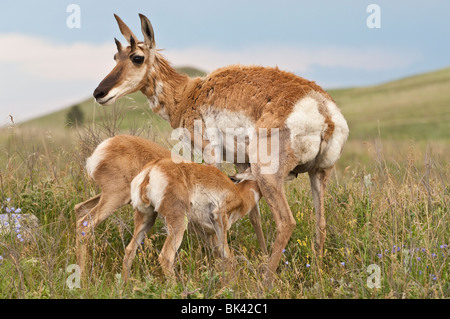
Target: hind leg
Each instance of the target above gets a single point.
(270, 172)
(319, 179)
(107, 205)
(143, 221)
(176, 227)
(85, 207)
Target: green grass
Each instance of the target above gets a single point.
(416, 108)
(387, 204)
(368, 213)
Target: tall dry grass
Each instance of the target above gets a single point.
(383, 208)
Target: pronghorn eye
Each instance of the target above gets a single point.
(137, 59)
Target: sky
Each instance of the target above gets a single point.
(49, 61)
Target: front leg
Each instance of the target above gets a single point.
(254, 215)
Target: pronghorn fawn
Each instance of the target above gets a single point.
(188, 194)
(293, 117)
(112, 166)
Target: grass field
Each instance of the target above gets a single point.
(387, 209)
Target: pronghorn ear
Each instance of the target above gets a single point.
(147, 31)
(124, 29)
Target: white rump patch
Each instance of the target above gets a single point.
(155, 190)
(334, 148)
(136, 200)
(306, 125)
(97, 156)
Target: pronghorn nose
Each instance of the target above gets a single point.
(99, 93)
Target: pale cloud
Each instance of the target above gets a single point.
(38, 75)
(55, 61)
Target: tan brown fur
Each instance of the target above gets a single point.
(180, 201)
(259, 97)
(228, 88)
(123, 157)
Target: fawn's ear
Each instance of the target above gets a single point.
(244, 176)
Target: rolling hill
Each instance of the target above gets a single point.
(416, 107)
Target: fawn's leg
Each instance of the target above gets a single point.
(81, 209)
(255, 216)
(142, 224)
(176, 226)
(107, 205)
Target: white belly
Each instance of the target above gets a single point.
(229, 132)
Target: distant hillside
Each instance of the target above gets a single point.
(416, 107)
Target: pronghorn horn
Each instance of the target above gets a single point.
(124, 29)
(118, 44)
(147, 31)
(132, 44)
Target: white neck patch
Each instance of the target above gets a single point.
(153, 101)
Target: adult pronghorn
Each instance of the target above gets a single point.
(311, 128)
